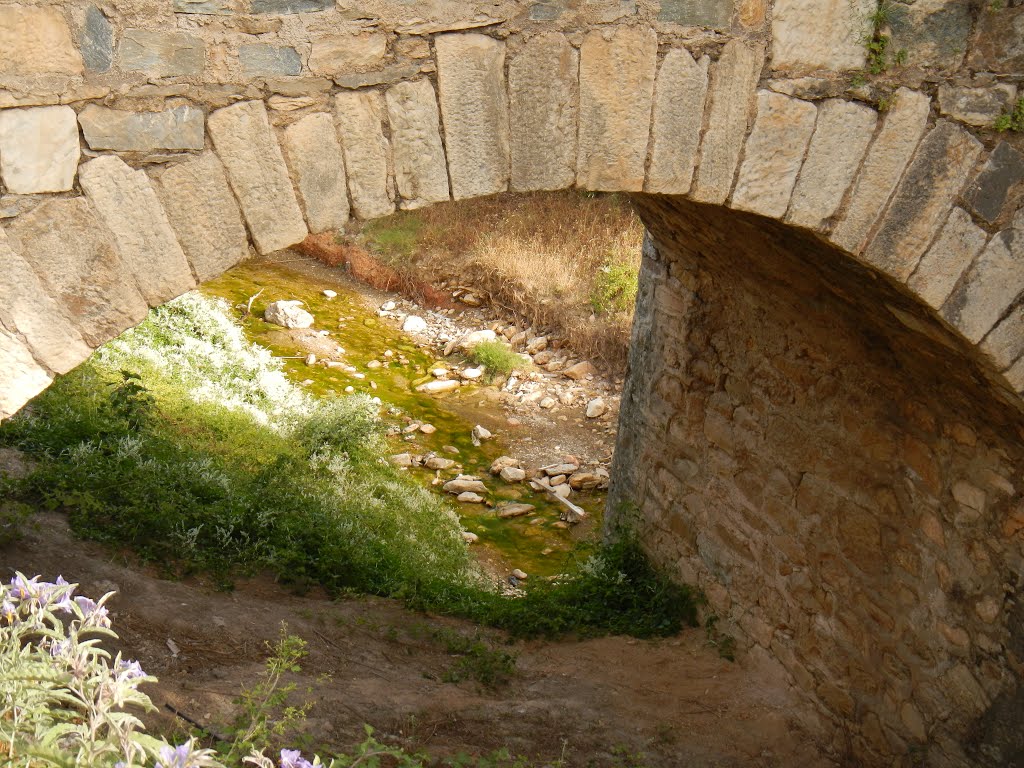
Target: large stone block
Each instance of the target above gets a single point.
(343, 54)
(992, 283)
(679, 96)
(999, 40)
(820, 34)
(987, 194)
(97, 40)
(178, 128)
(1004, 344)
(207, 7)
(956, 247)
(697, 13)
(731, 95)
(73, 253)
(886, 160)
(35, 41)
(128, 205)
(933, 33)
(616, 93)
(421, 174)
(543, 108)
(935, 177)
(774, 152)
(474, 106)
(21, 377)
(291, 6)
(359, 117)
(977, 106)
(841, 137)
(26, 309)
(313, 153)
(161, 54)
(38, 149)
(203, 212)
(262, 60)
(256, 170)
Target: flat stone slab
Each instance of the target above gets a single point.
(262, 60)
(474, 105)
(934, 33)
(987, 194)
(97, 41)
(886, 160)
(73, 253)
(616, 93)
(543, 82)
(977, 106)
(421, 173)
(359, 117)
(774, 152)
(819, 34)
(730, 104)
(21, 377)
(956, 247)
(942, 162)
(999, 40)
(197, 199)
(161, 54)
(1004, 344)
(27, 309)
(39, 149)
(680, 93)
(715, 14)
(313, 153)
(247, 147)
(178, 128)
(35, 41)
(291, 6)
(334, 55)
(128, 205)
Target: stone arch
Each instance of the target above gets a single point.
(905, 215)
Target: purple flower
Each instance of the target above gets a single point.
(93, 613)
(292, 758)
(23, 588)
(175, 757)
(129, 670)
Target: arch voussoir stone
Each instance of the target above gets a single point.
(313, 153)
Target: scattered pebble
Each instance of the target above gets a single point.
(596, 408)
(330, 294)
(469, 537)
(310, 359)
(519, 574)
(414, 324)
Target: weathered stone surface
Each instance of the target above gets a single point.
(21, 377)
(616, 93)
(999, 40)
(38, 149)
(933, 180)
(212, 7)
(421, 174)
(1004, 344)
(697, 13)
(385, 76)
(992, 283)
(841, 137)
(542, 83)
(128, 205)
(987, 193)
(733, 79)
(932, 32)
(471, 80)
(74, 255)
(97, 41)
(960, 241)
(819, 34)
(886, 160)
(359, 119)
(679, 95)
(262, 60)
(774, 153)
(344, 54)
(35, 41)
(203, 212)
(547, 10)
(26, 309)
(178, 128)
(977, 106)
(246, 145)
(313, 152)
(291, 6)
(161, 54)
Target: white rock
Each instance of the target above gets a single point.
(466, 342)
(39, 149)
(388, 306)
(428, 429)
(464, 483)
(414, 324)
(519, 574)
(330, 294)
(469, 537)
(441, 385)
(310, 359)
(471, 374)
(596, 408)
(439, 462)
(480, 434)
(470, 498)
(501, 462)
(288, 314)
(547, 403)
(562, 491)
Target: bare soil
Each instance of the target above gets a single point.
(602, 702)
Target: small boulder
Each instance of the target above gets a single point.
(310, 359)
(330, 294)
(536, 344)
(374, 364)
(512, 475)
(403, 460)
(480, 434)
(438, 462)
(507, 510)
(596, 408)
(428, 429)
(466, 342)
(440, 385)
(468, 497)
(579, 371)
(501, 463)
(518, 574)
(288, 314)
(414, 324)
(469, 537)
(388, 306)
(543, 358)
(560, 469)
(585, 481)
(547, 403)
(464, 483)
(562, 491)
(471, 374)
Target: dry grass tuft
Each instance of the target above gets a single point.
(562, 262)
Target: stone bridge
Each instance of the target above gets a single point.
(823, 424)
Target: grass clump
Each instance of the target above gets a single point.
(497, 357)
(615, 288)
(1012, 120)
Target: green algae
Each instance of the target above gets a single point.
(536, 543)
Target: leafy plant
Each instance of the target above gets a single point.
(497, 357)
(615, 288)
(723, 643)
(1013, 120)
(476, 660)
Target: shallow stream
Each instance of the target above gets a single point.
(537, 543)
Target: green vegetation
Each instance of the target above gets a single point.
(476, 659)
(1012, 120)
(395, 238)
(497, 357)
(615, 288)
(878, 41)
